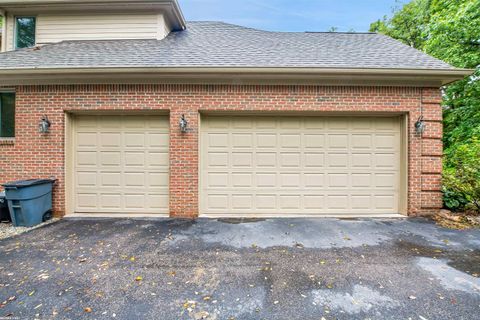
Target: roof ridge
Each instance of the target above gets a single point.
(342, 32)
(280, 32)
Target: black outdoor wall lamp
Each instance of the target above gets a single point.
(183, 124)
(45, 124)
(420, 126)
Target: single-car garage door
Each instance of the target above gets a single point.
(300, 165)
(121, 164)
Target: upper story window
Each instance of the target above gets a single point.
(7, 115)
(24, 32)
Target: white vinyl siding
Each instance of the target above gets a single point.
(53, 28)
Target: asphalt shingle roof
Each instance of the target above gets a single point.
(218, 44)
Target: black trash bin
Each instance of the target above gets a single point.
(29, 201)
(4, 213)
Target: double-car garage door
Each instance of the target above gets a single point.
(249, 165)
(300, 165)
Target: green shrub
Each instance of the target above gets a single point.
(461, 177)
(453, 200)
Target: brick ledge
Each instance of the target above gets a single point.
(7, 141)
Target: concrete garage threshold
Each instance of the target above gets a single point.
(241, 269)
(234, 216)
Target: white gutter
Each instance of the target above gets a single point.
(273, 70)
(414, 76)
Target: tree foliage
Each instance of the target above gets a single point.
(448, 30)
(407, 24)
(461, 178)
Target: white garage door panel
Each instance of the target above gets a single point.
(300, 165)
(121, 164)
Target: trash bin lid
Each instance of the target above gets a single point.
(27, 183)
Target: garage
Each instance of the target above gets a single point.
(121, 164)
(284, 166)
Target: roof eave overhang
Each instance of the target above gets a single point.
(235, 75)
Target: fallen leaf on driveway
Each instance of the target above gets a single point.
(190, 305)
(87, 309)
(139, 278)
(201, 315)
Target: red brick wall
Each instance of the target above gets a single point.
(36, 155)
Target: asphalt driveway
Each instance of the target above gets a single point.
(232, 269)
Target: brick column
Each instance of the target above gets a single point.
(432, 152)
(184, 163)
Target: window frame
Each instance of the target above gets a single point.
(15, 38)
(11, 91)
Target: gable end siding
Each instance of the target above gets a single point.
(53, 28)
